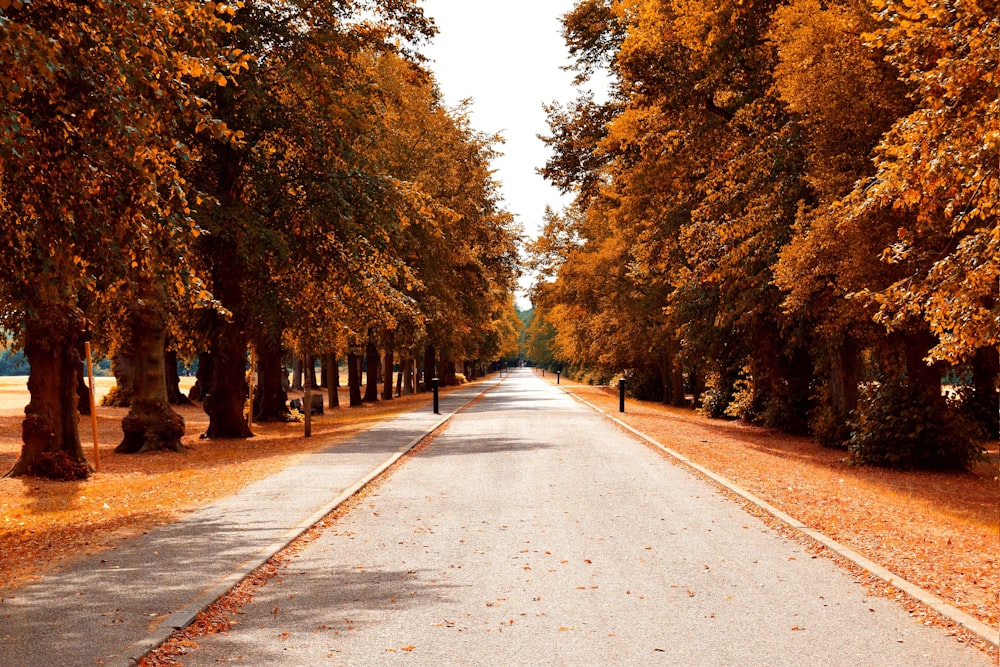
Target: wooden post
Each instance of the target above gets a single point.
(307, 394)
(93, 407)
(253, 381)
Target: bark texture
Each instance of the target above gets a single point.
(174, 394)
(270, 400)
(371, 368)
(151, 423)
(51, 441)
(387, 379)
(354, 379)
(333, 380)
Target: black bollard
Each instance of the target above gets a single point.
(434, 387)
(621, 395)
(557, 376)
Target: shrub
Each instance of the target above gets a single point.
(644, 384)
(900, 425)
(744, 399)
(828, 427)
(981, 409)
(716, 397)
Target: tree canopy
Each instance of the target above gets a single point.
(206, 177)
(786, 211)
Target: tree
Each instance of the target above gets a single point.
(938, 163)
(298, 241)
(458, 245)
(98, 109)
(845, 99)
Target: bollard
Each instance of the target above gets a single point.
(621, 395)
(557, 376)
(434, 387)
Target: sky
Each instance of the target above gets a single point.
(507, 56)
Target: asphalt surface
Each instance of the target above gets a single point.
(535, 532)
(111, 608)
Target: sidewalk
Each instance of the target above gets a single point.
(113, 608)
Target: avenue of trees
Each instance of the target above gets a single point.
(787, 210)
(184, 179)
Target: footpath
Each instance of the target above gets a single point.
(113, 608)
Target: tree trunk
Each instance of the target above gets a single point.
(372, 363)
(985, 369)
(309, 371)
(83, 390)
(174, 394)
(448, 368)
(387, 370)
(123, 368)
(270, 403)
(203, 377)
(354, 379)
(333, 380)
(296, 373)
(844, 380)
(664, 367)
(151, 423)
(409, 366)
(677, 383)
(228, 390)
(51, 442)
(915, 348)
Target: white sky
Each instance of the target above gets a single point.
(507, 56)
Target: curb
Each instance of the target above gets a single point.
(182, 618)
(984, 632)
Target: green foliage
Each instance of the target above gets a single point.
(717, 397)
(13, 362)
(980, 409)
(644, 384)
(118, 397)
(903, 425)
(826, 425)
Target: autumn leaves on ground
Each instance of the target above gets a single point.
(938, 530)
(46, 523)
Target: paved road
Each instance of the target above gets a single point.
(109, 608)
(535, 532)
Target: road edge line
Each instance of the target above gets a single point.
(981, 630)
(182, 618)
